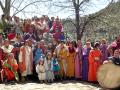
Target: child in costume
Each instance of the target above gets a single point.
(40, 69)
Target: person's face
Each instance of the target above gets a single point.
(50, 45)
(27, 43)
(11, 56)
(62, 44)
(70, 45)
(52, 19)
(103, 42)
(41, 62)
(88, 45)
(49, 56)
(38, 45)
(6, 43)
(116, 53)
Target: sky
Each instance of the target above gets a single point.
(43, 9)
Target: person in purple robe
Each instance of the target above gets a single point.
(85, 61)
(104, 51)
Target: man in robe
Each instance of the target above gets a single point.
(25, 61)
(62, 53)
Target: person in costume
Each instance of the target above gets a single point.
(114, 45)
(48, 67)
(38, 53)
(71, 61)
(57, 29)
(40, 69)
(78, 60)
(9, 68)
(115, 59)
(104, 50)
(94, 62)
(62, 54)
(85, 61)
(25, 60)
(56, 67)
(7, 48)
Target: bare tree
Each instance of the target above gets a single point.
(77, 7)
(18, 5)
(5, 7)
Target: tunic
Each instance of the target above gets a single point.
(85, 63)
(94, 64)
(62, 54)
(40, 69)
(104, 52)
(26, 60)
(49, 72)
(78, 58)
(71, 64)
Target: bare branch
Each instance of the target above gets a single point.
(3, 8)
(19, 5)
(12, 2)
(29, 5)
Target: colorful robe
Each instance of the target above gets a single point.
(48, 68)
(6, 51)
(9, 70)
(40, 69)
(57, 29)
(94, 63)
(26, 60)
(62, 54)
(71, 63)
(78, 60)
(38, 54)
(85, 63)
(104, 51)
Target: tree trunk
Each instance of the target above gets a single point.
(6, 8)
(77, 22)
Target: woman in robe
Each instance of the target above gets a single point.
(104, 51)
(94, 62)
(78, 60)
(9, 69)
(85, 61)
(71, 61)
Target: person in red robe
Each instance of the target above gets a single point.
(57, 29)
(6, 48)
(9, 68)
(94, 62)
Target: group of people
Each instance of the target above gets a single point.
(27, 55)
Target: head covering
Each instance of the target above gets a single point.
(96, 44)
(11, 36)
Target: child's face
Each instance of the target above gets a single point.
(49, 56)
(41, 62)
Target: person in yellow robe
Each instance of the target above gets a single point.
(62, 53)
(70, 61)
